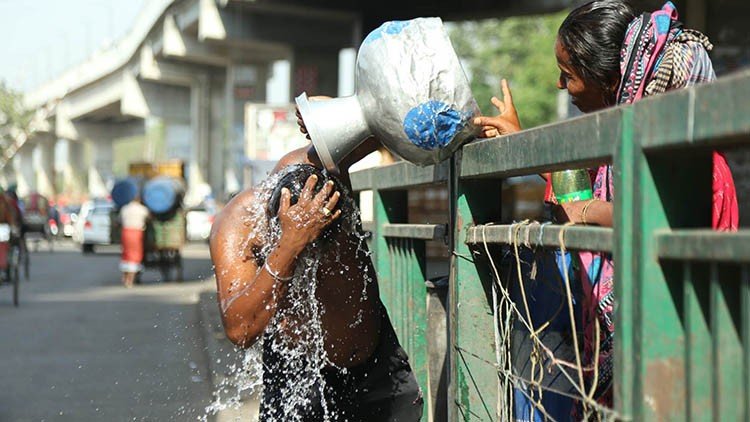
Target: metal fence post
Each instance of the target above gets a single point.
(474, 377)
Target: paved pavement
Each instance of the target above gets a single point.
(82, 348)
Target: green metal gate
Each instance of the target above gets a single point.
(682, 343)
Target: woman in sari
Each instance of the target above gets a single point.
(609, 56)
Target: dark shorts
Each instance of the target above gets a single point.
(382, 389)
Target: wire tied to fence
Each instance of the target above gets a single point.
(504, 305)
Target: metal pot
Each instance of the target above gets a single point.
(412, 94)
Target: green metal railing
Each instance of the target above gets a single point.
(398, 251)
(682, 342)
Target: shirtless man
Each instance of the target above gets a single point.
(365, 374)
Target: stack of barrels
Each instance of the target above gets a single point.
(162, 195)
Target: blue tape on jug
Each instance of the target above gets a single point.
(433, 124)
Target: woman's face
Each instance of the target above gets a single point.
(587, 96)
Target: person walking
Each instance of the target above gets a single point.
(133, 217)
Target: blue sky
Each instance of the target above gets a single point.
(42, 38)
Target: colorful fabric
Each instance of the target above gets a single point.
(132, 250)
(657, 55)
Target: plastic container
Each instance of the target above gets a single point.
(572, 185)
(412, 94)
(124, 191)
(163, 195)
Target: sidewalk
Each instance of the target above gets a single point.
(222, 356)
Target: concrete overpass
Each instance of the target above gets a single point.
(176, 85)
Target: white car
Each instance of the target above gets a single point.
(94, 225)
(199, 221)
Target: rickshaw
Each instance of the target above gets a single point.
(36, 218)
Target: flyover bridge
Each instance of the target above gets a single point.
(176, 85)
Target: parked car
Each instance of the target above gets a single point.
(199, 221)
(68, 218)
(94, 225)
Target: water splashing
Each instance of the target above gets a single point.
(293, 343)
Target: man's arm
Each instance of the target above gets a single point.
(248, 293)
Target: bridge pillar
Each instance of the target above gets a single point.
(100, 174)
(73, 169)
(200, 117)
(24, 171)
(43, 157)
(243, 83)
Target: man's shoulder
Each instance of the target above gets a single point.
(237, 208)
(298, 156)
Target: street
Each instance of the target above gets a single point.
(80, 347)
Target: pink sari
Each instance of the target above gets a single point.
(657, 55)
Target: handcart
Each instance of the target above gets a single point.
(163, 242)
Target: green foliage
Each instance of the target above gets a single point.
(14, 116)
(519, 49)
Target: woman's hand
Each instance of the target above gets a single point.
(300, 122)
(303, 222)
(504, 123)
(591, 212)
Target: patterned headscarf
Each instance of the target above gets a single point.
(658, 55)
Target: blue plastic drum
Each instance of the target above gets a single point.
(124, 191)
(162, 194)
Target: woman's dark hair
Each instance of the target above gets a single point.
(593, 35)
(294, 178)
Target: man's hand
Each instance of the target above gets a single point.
(300, 122)
(303, 222)
(504, 123)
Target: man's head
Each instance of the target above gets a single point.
(294, 178)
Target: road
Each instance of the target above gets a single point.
(82, 348)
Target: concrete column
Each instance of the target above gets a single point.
(200, 116)
(71, 158)
(100, 176)
(244, 83)
(231, 179)
(24, 171)
(217, 136)
(44, 165)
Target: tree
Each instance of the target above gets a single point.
(519, 49)
(15, 118)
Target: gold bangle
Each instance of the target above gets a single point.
(586, 209)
